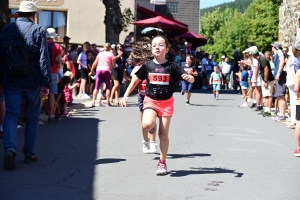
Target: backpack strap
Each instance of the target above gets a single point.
(27, 29)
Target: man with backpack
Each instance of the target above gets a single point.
(25, 74)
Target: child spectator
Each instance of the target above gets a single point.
(90, 81)
(216, 80)
(244, 84)
(67, 93)
(65, 81)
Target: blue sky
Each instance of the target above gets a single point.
(209, 3)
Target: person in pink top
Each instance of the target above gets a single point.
(103, 61)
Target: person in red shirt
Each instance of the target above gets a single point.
(56, 62)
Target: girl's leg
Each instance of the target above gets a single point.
(114, 89)
(65, 107)
(148, 122)
(95, 95)
(217, 93)
(189, 94)
(82, 86)
(163, 133)
(297, 134)
(117, 93)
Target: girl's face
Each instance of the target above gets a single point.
(188, 61)
(89, 56)
(267, 56)
(216, 69)
(159, 48)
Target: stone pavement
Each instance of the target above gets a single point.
(217, 151)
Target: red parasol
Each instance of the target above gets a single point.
(162, 23)
(195, 39)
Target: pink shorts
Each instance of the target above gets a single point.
(163, 108)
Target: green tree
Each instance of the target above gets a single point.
(259, 24)
(115, 20)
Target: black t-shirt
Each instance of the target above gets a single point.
(189, 68)
(262, 63)
(161, 79)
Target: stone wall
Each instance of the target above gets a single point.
(289, 13)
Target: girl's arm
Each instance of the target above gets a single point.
(79, 62)
(71, 87)
(94, 65)
(194, 73)
(210, 79)
(130, 88)
(297, 83)
(68, 64)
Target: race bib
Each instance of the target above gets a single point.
(159, 78)
(188, 70)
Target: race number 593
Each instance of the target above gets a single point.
(159, 78)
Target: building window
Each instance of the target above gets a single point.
(54, 19)
(51, 19)
(172, 7)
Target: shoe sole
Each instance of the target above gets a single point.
(161, 174)
(29, 162)
(297, 155)
(9, 162)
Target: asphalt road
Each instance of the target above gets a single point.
(217, 151)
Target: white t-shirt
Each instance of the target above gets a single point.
(226, 68)
(253, 67)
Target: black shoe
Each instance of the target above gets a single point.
(9, 161)
(30, 159)
(53, 120)
(182, 92)
(259, 108)
(187, 103)
(267, 114)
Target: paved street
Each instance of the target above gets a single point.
(217, 151)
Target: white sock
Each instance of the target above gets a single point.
(267, 109)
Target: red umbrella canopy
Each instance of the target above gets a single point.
(195, 39)
(163, 23)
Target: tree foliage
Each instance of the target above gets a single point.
(240, 5)
(115, 20)
(230, 29)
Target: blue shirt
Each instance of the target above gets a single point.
(244, 80)
(38, 49)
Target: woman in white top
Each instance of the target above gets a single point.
(256, 83)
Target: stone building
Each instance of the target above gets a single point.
(186, 11)
(289, 14)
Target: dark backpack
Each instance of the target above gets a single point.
(18, 60)
(50, 52)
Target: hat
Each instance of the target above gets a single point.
(254, 50)
(66, 38)
(236, 51)
(186, 43)
(277, 45)
(28, 6)
(223, 56)
(51, 33)
(113, 46)
(246, 50)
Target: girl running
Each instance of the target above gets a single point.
(187, 86)
(142, 52)
(162, 76)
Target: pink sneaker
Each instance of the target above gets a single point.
(297, 153)
(161, 169)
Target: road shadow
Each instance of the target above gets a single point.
(192, 155)
(197, 171)
(109, 160)
(206, 105)
(66, 153)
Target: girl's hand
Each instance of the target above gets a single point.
(123, 101)
(77, 84)
(186, 77)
